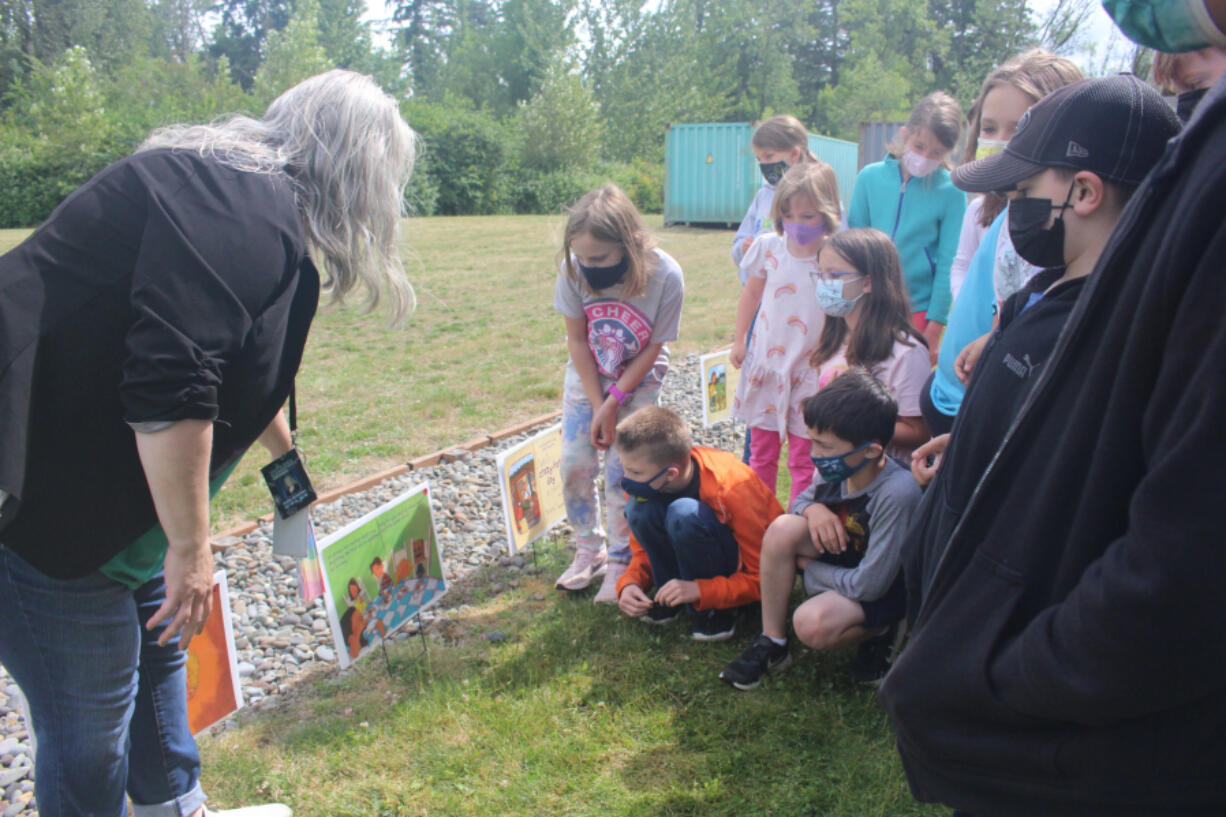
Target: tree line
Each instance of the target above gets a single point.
(522, 104)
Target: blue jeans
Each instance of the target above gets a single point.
(108, 705)
(684, 539)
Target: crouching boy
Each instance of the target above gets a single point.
(844, 537)
(697, 516)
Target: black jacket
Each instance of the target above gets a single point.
(168, 287)
(1069, 654)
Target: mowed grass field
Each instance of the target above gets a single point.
(485, 348)
(533, 702)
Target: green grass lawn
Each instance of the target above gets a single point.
(580, 711)
(485, 348)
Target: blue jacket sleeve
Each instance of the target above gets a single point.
(858, 212)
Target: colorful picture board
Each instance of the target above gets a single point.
(213, 690)
(530, 478)
(380, 571)
(718, 379)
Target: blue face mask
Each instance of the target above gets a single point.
(830, 298)
(1173, 26)
(836, 469)
(642, 489)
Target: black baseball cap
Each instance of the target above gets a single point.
(1116, 127)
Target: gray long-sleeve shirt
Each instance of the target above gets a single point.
(876, 519)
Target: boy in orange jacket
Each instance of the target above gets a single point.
(697, 516)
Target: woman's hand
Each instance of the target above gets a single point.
(189, 593)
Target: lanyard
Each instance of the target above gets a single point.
(293, 414)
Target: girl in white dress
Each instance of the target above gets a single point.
(780, 270)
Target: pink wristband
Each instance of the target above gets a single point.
(621, 396)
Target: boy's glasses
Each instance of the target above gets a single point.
(836, 276)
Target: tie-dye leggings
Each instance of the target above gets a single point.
(580, 466)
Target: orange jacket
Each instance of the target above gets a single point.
(742, 502)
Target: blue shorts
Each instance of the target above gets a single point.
(889, 608)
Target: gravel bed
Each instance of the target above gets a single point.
(280, 638)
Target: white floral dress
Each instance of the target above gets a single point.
(776, 375)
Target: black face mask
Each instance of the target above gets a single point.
(599, 278)
(1186, 104)
(1035, 243)
(773, 171)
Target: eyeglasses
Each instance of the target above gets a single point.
(836, 276)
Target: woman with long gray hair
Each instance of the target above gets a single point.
(150, 332)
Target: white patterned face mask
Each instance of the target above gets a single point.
(919, 166)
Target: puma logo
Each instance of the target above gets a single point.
(1022, 368)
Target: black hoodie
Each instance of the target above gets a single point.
(1069, 652)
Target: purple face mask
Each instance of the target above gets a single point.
(803, 234)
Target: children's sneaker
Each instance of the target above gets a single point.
(713, 625)
(759, 658)
(660, 614)
(607, 594)
(875, 656)
(585, 568)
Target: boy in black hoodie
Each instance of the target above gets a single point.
(1052, 670)
(1069, 169)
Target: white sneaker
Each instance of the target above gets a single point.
(587, 567)
(608, 588)
(266, 810)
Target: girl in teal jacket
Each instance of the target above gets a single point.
(909, 197)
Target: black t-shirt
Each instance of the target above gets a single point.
(168, 287)
(1002, 378)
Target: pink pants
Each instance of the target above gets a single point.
(764, 447)
(920, 321)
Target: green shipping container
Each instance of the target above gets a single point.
(711, 175)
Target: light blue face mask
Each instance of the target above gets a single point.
(830, 298)
(1173, 26)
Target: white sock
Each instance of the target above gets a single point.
(778, 642)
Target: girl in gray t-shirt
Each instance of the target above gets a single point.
(621, 299)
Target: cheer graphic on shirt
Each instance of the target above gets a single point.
(617, 331)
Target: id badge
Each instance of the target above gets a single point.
(289, 484)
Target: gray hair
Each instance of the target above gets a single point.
(348, 153)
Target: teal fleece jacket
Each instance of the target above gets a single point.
(924, 219)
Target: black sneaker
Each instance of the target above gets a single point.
(660, 614)
(759, 658)
(875, 655)
(712, 625)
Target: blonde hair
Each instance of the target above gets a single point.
(1036, 74)
(939, 114)
(608, 214)
(661, 433)
(1166, 68)
(816, 180)
(348, 154)
(783, 132)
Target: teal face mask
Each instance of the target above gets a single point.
(1172, 26)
